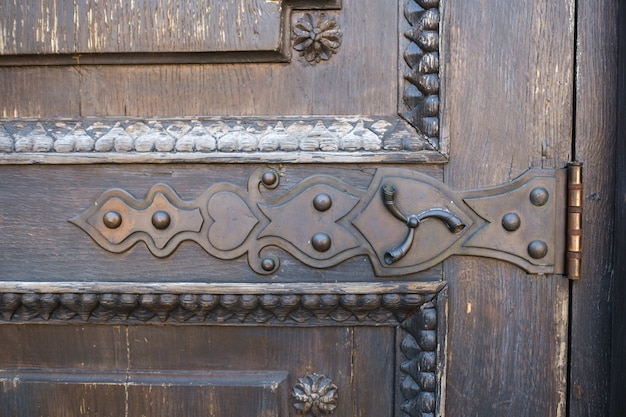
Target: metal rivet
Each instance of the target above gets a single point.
(539, 196)
(112, 219)
(161, 220)
(322, 202)
(511, 222)
(537, 249)
(269, 179)
(321, 242)
(268, 264)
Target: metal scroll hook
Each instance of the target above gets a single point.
(452, 222)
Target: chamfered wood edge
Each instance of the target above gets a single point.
(80, 287)
(316, 157)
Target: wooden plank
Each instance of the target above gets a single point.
(79, 393)
(359, 71)
(300, 351)
(356, 80)
(617, 288)
(39, 91)
(193, 393)
(507, 331)
(177, 26)
(36, 27)
(67, 27)
(374, 371)
(93, 348)
(595, 147)
(56, 394)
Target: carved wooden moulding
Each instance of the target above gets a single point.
(421, 80)
(295, 304)
(218, 140)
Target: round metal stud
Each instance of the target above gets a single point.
(539, 196)
(268, 264)
(270, 179)
(161, 220)
(511, 222)
(322, 202)
(112, 219)
(321, 242)
(537, 249)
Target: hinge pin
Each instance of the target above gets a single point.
(574, 219)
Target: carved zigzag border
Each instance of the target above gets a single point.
(421, 85)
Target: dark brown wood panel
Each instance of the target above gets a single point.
(38, 347)
(177, 26)
(346, 84)
(595, 147)
(47, 394)
(39, 91)
(139, 393)
(36, 27)
(507, 330)
(181, 370)
(617, 286)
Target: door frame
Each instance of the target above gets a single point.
(594, 144)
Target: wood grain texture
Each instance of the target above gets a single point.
(67, 27)
(39, 91)
(248, 366)
(617, 400)
(507, 86)
(347, 84)
(37, 27)
(595, 147)
(177, 26)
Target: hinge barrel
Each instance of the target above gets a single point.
(574, 219)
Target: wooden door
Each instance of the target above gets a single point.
(191, 214)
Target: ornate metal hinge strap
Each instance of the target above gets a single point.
(404, 221)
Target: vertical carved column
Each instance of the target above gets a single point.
(421, 87)
(418, 363)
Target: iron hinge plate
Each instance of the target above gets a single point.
(405, 221)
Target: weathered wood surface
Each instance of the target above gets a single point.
(595, 146)
(66, 26)
(507, 82)
(617, 285)
(175, 361)
(347, 84)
